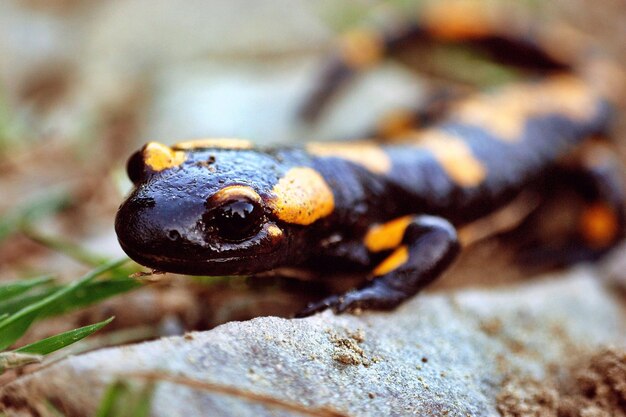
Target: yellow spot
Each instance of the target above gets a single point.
(361, 48)
(599, 225)
(458, 19)
(504, 113)
(454, 156)
(398, 258)
(234, 192)
(569, 95)
(159, 157)
(220, 143)
(302, 197)
(388, 235)
(364, 153)
(274, 231)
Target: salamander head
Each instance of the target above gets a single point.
(204, 208)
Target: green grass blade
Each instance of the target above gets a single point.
(13, 289)
(12, 132)
(14, 329)
(54, 412)
(61, 340)
(143, 401)
(88, 295)
(113, 396)
(122, 399)
(14, 326)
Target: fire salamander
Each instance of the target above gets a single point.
(225, 207)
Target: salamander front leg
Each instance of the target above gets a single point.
(428, 246)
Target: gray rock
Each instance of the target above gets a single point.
(440, 354)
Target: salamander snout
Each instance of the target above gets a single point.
(227, 233)
(154, 229)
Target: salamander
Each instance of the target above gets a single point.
(227, 207)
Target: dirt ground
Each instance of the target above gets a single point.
(593, 387)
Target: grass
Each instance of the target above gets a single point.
(123, 399)
(120, 399)
(16, 324)
(59, 341)
(22, 303)
(452, 62)
(26, 301)
(11, 127)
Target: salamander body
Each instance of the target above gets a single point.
(225, 207)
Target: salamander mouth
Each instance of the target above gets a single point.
(227, 265)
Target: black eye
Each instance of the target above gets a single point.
(135, 167)
(238, 219)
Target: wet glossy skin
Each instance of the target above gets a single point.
(224, 211)
(223, 207)
(166, 222)
(460, 171)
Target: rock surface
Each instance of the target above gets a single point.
(442, 354)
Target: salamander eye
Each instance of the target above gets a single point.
(135, 167)
(237, 220)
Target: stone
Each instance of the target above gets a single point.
(439, 354)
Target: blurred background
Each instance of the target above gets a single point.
(84, 83)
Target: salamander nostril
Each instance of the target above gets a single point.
(173, 235)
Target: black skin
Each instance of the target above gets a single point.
(169, 220)
(172, 221)
(596, 180)
(432, 245)
(432, 241)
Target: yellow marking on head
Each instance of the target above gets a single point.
(159, 157)
(233, 192)
(387, 235)
(220, 143)
(397, 258)
(302, 197)
(361, 48)
(599, 225)
(458, 19)
(364, 153)
(454, 156)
